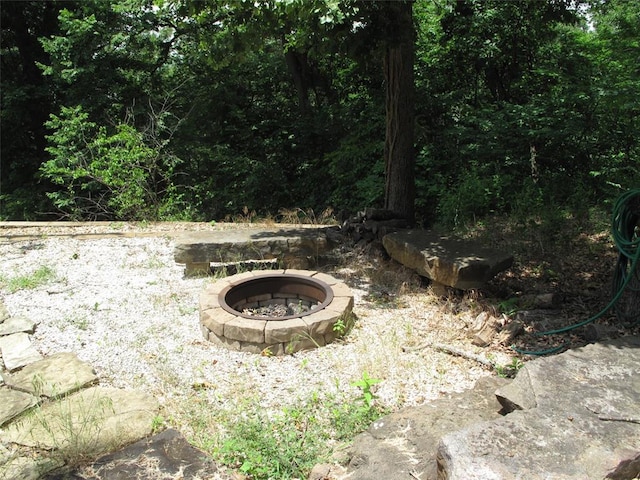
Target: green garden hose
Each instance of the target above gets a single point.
(626, 235)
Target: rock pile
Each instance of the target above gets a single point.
(372, 224)
(572, 416)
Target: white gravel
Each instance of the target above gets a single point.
(124, 306)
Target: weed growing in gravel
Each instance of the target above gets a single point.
(154, 263)
(71, 425)
(344, 324)
(365, 385)
(351, 418)
(158, 423)
(284, 444)
(41, 276)
(79, 321)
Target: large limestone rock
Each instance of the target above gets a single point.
(574, 417)
(446, 260)
(404, 444)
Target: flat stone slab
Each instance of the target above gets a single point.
(17, 351)
(574, 416)
(53, 376)
(166, 455)
(4, 313)
(16, 325)
(202, 248)
(447, 260)
(29, 467)
(92, 421)
(13, 403)
(404, 444)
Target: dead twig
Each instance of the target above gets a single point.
(452, 351)
(619, 419)
(607, 418)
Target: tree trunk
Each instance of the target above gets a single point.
(399, 150)
(297, 63)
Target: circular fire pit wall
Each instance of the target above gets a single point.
(274, 312)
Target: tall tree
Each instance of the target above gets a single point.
(399, 150)
(313, 29)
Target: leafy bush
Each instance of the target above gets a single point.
(106, 173)
(476, 194)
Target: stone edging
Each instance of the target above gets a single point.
(273, 337)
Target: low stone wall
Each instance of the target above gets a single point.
(293, 247)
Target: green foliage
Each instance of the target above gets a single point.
(474, 196)
(356, 166)
(513, 110)
(287, 444)
(351, 418)
(511, 369)
(508, 306)
(105, 174)
(365, 385)
(520, 106)
(26, 98)
(344, 324)
(39, 277)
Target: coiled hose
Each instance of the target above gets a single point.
(625, 229)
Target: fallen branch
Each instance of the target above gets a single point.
(619, 419)
(452, 351)
(606, 418)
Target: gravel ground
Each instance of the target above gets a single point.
(122, 304)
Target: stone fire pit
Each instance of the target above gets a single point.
(275, 311)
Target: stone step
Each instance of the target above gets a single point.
(445, 259)
(54, 376)
(17, 351)
(93, 421)
(13, 403)
(16, 325)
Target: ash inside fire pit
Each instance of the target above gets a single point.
(276, 296)
(279, 310)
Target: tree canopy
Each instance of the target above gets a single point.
(441, 110)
